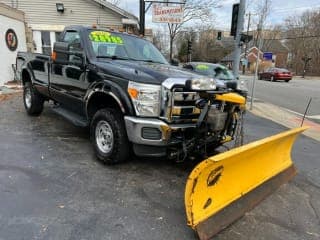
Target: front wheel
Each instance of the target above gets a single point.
(33, 101)
(109, 136)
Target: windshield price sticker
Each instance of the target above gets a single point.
(202, 67)
(101, 36)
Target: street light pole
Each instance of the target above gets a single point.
(237, 51)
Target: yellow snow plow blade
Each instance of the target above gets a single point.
(222, 188)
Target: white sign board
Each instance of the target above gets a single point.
(167, 14)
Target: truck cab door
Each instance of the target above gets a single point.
(68, 83)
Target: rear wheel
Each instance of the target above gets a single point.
(109, 136)
(33, 101)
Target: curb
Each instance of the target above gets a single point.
(10, 88)
(284, 117)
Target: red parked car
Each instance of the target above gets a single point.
(274, 74)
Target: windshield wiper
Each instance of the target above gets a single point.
(114, 57)
(145, 60)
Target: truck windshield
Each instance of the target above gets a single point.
(123, 47)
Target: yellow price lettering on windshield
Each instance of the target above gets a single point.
(202, 67)
(102, 36)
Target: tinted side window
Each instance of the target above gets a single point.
(73, 38)
(46, 42)
(188, 67)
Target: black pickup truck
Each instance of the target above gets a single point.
(122, 87)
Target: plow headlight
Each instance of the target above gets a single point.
(145, 98)
(242, 85)
(202, 84)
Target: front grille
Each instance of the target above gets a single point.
(183, 109)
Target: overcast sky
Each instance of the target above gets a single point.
(280, 10)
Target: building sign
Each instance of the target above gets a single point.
(267, 56)
(11, 40)
(167, 14)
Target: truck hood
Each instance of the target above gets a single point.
(143, 72)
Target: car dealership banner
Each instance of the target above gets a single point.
(167, 14)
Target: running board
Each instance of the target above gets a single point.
(74, 118)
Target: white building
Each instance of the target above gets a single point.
(45, 19)
(13, 39)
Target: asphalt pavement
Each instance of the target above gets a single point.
(293, 96)
(52, 187)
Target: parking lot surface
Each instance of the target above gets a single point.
(52, 187)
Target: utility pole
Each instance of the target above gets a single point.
(246, 48)
(257, 63)
(237, 51)
(190, 47)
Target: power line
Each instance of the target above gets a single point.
(293, 8)
(288, 38)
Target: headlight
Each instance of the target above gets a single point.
(145, 98)
(242, 85)
(202, 84)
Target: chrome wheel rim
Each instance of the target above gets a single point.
(104, 137)
(27, 97)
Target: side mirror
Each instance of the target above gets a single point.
(174, 62)
(64, 53)
(60, 53)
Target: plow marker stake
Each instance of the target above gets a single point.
(222, 188)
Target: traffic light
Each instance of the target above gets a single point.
(245, 38)
(189, 46)
(219, 37)
(234, 21)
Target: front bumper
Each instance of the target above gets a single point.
(137, 128)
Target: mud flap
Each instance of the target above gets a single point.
(222, 188)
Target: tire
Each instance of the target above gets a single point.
(33, 101)
(109, 137)
(287, 80)
(272, 79)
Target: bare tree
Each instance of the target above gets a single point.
(193, 10)
(205, 47)
(160, 39)
(303, 41)
(263, 9)
(273, 33)
(114, 2)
